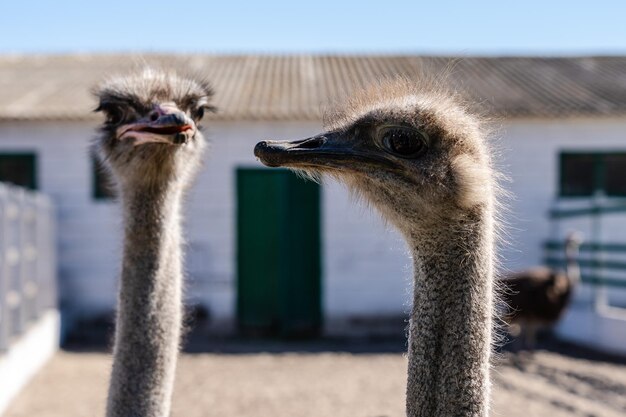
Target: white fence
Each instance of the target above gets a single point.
(27, 261)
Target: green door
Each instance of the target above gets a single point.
(278, 253)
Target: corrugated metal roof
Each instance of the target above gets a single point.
(296, 87)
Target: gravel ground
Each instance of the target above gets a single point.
(326, 384)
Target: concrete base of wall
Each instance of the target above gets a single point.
(27, 355)
(603, 329)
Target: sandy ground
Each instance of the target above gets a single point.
(326, 384)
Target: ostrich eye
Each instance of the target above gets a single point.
(198, 113)
(404, 142)
(115, 115)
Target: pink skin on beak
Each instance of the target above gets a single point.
(164, 122)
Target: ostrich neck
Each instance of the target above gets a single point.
(149, 312)
(451, 321)
(572, 269)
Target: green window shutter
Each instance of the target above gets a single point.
(102, 184)
(577, 174)
(582, 174)
(614, 180)
(19, 169)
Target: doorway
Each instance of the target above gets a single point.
(278, 254)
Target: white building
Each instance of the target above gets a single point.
(562, 138)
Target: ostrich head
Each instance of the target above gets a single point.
(573, 240)
(411, 150)
(151, 131)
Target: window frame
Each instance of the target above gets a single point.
(33, 156)
(599, 172)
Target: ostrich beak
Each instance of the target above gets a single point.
(166, 124)
(328, 150)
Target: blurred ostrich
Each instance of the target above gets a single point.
(539, 296)
(152, 144)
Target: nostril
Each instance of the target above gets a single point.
(179, 118)
(154, 116)
(312, 143)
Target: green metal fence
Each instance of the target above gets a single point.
(603, 264)
(592, 258)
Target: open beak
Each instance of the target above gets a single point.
(163, 125)
(329, 150)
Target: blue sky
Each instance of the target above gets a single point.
(432, 27)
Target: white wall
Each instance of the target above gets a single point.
(87, 231)
(366, 269)
(529, 155)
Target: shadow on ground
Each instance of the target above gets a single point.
(97, 336)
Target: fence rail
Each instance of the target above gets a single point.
(591, 262)
(27, 260)
(593, 210)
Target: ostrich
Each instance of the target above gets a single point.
(418, 156)
(538, 296)
(151, 143)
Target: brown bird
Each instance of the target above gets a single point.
(538, 297)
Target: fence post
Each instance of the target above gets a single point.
(29, 258)
(40, 255)
(4, 271)
(18, 293)
(13, 285)
(46, 259)
(600, 292)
